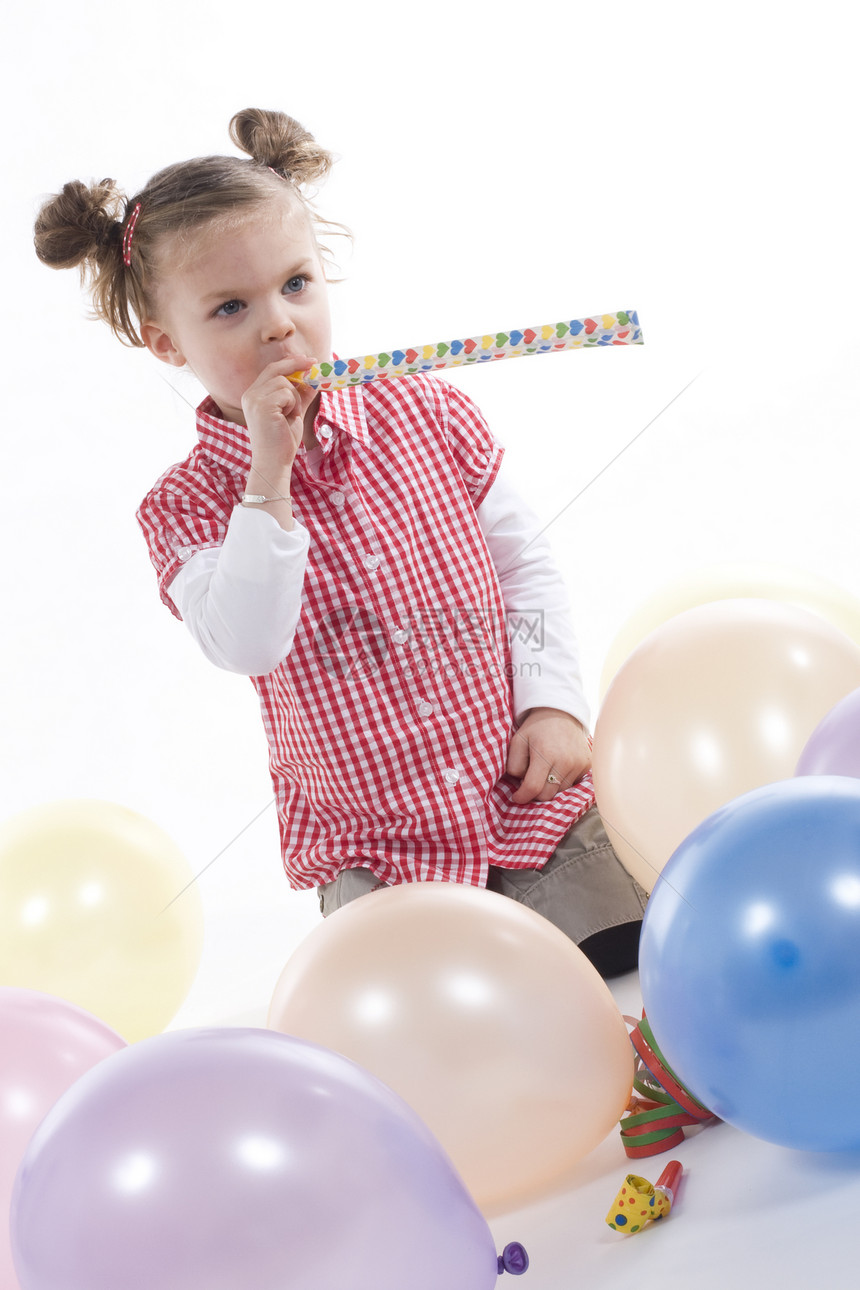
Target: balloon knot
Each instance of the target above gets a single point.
(514, 1259)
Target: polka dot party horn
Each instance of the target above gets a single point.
(639, 1202)
(596, 332)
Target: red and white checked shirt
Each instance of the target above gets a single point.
(389, 719)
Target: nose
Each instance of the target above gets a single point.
(278, 321)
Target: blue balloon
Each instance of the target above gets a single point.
(750, 962)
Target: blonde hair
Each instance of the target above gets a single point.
(92, 226)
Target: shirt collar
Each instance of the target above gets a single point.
(228, 443)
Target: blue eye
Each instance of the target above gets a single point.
(230, 307)
(296, 284)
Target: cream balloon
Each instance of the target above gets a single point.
(717, 701)
(84, 893)
(732, 582)
(479, 1013)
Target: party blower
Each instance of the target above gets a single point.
(639, 1202)
(595, 332)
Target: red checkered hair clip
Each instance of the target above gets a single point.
(128, 235)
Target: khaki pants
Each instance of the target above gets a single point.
(583, 889)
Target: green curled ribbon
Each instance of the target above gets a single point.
(657, 1118)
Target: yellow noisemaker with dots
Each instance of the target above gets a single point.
(639, 1202)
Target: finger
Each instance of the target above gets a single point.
(523, 794)
(574, 776)
(557, 779)
(518, 755)
(287, 398)
(547, 778)
(533, 783)
(291, 366)
(275, 410)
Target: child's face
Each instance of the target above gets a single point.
(241, 298)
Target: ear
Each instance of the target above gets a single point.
(161, 344)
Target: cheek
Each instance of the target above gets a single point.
(322, 333)
(226, 365)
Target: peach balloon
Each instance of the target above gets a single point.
(732, 581)
(717, 701)
(479, 1013)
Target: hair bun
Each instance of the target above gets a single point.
(277, 140)
(79, 224)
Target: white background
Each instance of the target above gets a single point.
(500, 166)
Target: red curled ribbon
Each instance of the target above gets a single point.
(657, 1118)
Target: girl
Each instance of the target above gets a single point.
(359, 554)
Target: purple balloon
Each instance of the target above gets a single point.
(241, 1157)
(833, 748)
(45, 1045)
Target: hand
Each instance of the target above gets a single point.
(548, 740)
(274, 409)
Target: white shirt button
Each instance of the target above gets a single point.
(424, 710)
(325, 432)
(337, 499)
(371, 562)
(185, 553)
(400, 637)
(451, 776)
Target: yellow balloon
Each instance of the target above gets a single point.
(479, 1013)
(732, 582)
(84, 890)
(719, 700)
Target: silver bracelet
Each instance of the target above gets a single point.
(255, 499)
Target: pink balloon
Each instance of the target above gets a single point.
(46, 1044)
(833, 748)
(241, 1157)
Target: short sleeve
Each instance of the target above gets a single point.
(476, 451)
(187, 510)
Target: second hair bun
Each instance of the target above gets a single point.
(277, 140)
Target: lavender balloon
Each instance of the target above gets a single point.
(833, 748)
(241, 1157)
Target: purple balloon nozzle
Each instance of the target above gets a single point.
(514, 1259)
